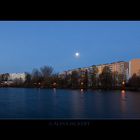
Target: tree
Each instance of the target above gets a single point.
(36, 76)
(5, 76)
(67, 81)
(86, 79)
(94, 78)
(106, 78)
(27, 79)
(54, 80)
(121, 78)
(74, 79)
(1, 79)
(18, 82)
(62, 82)
(134, 81)
(115, 77)
(83, 78)
(46, 73)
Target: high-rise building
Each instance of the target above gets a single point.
(121, 67)
(127, 69)
(134, 67)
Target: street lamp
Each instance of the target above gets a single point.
(82, 83)
(54, 84)
(123, 82)
(123, 85)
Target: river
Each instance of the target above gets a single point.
(32, 103)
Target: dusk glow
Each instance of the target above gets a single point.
(25, 45)
(69, 70)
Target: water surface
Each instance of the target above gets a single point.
(23, 103)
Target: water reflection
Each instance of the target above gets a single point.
(123, 101)
(123, 95)
(82, 91)
(54, 90)
(56, 103)
(38, 90)
(77, 103)
(54, 99)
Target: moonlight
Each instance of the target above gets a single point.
(77, 54)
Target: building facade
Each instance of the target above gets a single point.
(121, 67)
(14, 76)
(134, 67)
(127, 69)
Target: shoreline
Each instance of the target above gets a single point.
(84, 89)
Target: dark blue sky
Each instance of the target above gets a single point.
(25, 45)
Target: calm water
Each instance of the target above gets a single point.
(68, 104)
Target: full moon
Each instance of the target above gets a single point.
(77, 54)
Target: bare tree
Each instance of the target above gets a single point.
(46, 71)
(36, 75)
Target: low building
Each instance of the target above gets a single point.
(19, 76)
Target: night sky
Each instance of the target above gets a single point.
(25, 45)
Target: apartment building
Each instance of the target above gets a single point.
(122, 67)
(134, 67)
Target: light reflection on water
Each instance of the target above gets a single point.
(56, 103)
(123, 95)
(54, 90)
(123, 101)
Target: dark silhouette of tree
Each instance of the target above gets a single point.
(46, 73)
(67, 82)
(27, 79)
(36, 76)
(106, 78)
(94, 78)
(115, 77)
(18, 82)
(85, 79)
(5, 76)
(62, 82)
(74, 79)
(54, 80)
(134, 82)
(1, 78)
(121, 79)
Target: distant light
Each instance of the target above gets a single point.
(77, 54)
(54, 83)
(123, 91)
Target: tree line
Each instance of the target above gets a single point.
(45, 77)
